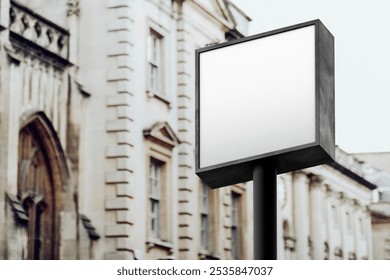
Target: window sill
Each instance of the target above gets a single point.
(206, 255)
(153, 94)
(157, 243)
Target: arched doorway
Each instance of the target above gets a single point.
(40, 184)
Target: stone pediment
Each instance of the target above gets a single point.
(162, 133)
(228, 13)
(216, 7)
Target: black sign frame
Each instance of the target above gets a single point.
(321, 151)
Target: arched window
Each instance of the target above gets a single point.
(39, 186)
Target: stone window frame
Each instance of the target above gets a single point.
(156, 31)
(160, 156)
(240, 192)
(211, 252)
(160, 140)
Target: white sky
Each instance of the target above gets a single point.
(362, 44)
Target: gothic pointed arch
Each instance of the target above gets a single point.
(42, 177)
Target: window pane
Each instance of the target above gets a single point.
(149, 48)
(234, 226)
(204, 199)
(155, 213)
(155, 181)
(154, 57)
(234, 243)
(234, 210)
(154, 77)
(155, 48)
(204, 215)
(204, 231)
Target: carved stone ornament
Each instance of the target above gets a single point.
(28, 27)
(73, 8)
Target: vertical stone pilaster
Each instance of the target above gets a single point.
(119, 151)
(187, 217)
(227, 223)
(301, 202)
(369, 237)
(316, 217)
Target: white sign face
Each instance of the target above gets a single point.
(257, 97)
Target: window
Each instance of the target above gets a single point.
(160, 140)
(154, 58)
(204, 216)
(209, 219)
(155, 197)
(234, 226)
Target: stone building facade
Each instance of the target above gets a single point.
(324, 212)
(97, 158)
(97, 142)
(377, 169)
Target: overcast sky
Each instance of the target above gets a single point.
(362, 44)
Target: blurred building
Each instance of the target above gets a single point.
(377, 170)
(97, 143)
(324, 212)
(97, 132)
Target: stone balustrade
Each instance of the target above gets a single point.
(29, 26)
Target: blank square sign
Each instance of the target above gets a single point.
(265, 99)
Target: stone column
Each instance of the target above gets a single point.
(316, 216)
(301, 214)
(328, 224)
(368, 227)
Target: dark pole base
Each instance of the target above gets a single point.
(264, 212)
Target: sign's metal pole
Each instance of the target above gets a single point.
(264, 212)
